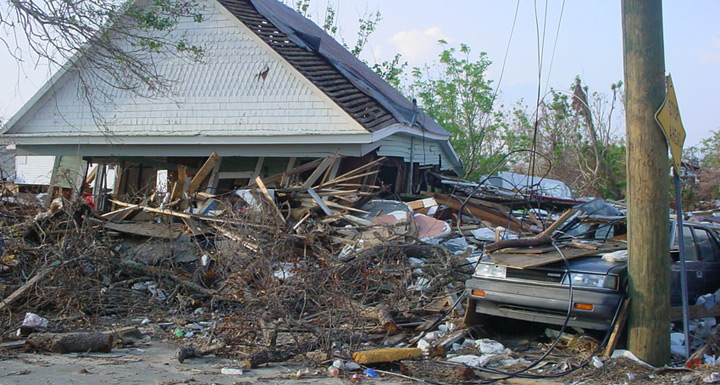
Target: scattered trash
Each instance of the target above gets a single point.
(231, 371)
(712, 378)
(371, 373)
(333, 370)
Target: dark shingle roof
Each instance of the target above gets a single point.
(344, 78)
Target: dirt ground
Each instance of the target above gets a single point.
(151, 363)
(154, 363)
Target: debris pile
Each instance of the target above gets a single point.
(296, 264)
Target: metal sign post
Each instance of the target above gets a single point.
(683, 270)
(668, 117)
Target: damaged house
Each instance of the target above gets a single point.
(273, 93)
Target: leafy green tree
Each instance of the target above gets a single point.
(458, 95)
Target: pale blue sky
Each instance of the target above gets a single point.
(589, 44)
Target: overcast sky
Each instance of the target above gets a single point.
(589, 44)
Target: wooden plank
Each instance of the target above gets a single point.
(177, 192)
(353, 173)
(422, 203)
(559, 222)
(265, 193)
(147, 229)
(291, 163)
(525, 261)
(91, 176)
(114, 215)
(297, 170)
(203, 173)
(310, 181)
(617, 329)
(214, 179)
(194, 227)
(24, 288)
(320, 202)
(180, 214)
(696, 311)
(485, 213)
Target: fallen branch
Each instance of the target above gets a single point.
(69, 342)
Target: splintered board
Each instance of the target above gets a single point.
(147, 229)
(525, 261)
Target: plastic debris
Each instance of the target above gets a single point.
(597, 362)
(471, 360)
(333, 370)
(712, 378)
(488, 346)
(371, 373)
(234, 371)
(33, 320)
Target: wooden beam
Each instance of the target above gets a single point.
(203, 173)
(297, 170)
(265, 193)
(319, 170)
(177, 191)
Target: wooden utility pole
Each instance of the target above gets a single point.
(648, 183)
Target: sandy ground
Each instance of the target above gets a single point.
(150, 364)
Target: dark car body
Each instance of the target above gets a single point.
(542, 294)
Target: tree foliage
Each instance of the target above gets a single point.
(115, 41)
(456, 92)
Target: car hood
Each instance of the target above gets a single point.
(591, 264)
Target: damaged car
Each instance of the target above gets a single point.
(599, 282)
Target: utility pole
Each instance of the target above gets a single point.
(648, 184)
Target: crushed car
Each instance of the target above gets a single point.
(599, 281)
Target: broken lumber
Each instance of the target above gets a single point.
(294, 171)
(147, 229)
(267, 196)
(519, 242)
(376, 356)
(69, 342)
(26, 287)
(177, 191)
(617, 329)
(203, 173)
(559, 222)
(490, 215)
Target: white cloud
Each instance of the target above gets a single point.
(419, 47)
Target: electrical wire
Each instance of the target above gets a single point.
(552, 56)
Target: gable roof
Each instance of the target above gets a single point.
(331, 67)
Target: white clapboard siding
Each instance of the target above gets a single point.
(427, 154)
(33, 169)
(225, 94)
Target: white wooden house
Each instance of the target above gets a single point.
(273, 89)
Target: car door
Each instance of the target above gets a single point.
(693, 267)
(709, 255)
